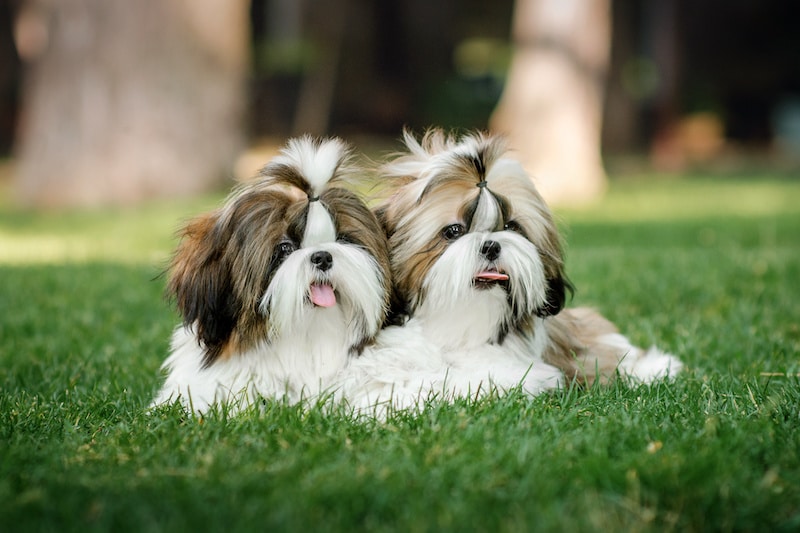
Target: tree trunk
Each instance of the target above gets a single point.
(129, 100)
(551, 108)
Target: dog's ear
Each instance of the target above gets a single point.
(557, 289)
(558, 285)
(551, 254)
(201, 284)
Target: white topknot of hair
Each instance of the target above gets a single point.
(317, 160)
(434, 157)
(434, 151)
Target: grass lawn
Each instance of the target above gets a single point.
(708, 269)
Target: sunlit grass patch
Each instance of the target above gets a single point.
(130, 235)
(691, 198)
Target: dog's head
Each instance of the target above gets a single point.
(471, 240)
(282, 251)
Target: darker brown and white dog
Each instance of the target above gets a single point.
(479, 282)
(279, 287)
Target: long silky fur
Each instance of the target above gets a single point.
(240, 306)
(440, 172)
(434, 183)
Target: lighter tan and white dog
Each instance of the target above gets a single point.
(479, 286)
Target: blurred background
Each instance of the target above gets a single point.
(113, 102)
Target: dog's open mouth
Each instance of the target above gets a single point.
(322, 295)
(490, 277)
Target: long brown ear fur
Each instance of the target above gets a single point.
(201, 285)
(557, 289)
(552, 255)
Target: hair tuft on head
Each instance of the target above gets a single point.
(309, 164)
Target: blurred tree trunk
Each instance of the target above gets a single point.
(128, 100)
(551, 107)
(317, 90)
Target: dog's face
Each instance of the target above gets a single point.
(472, 243)
(277, 257)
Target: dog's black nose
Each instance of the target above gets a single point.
(491, 250)
(322, 260)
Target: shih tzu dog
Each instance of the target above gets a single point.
(479, 282)
(279, 287)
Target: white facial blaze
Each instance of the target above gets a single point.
(319, 226)
(318, 163)
(458, 314)
(487, 213)
(356, 278)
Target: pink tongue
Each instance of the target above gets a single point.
(491, 275)
(322, 295)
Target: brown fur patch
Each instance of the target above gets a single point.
(575, 346)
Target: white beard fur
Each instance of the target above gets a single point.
(405, 368)
(456, 313)
(293, 368)
(307, 347)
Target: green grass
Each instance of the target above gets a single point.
(708, 269)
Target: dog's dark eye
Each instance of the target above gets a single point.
(345, 238)
(512, 226)
(453, 231)
(284, 250)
